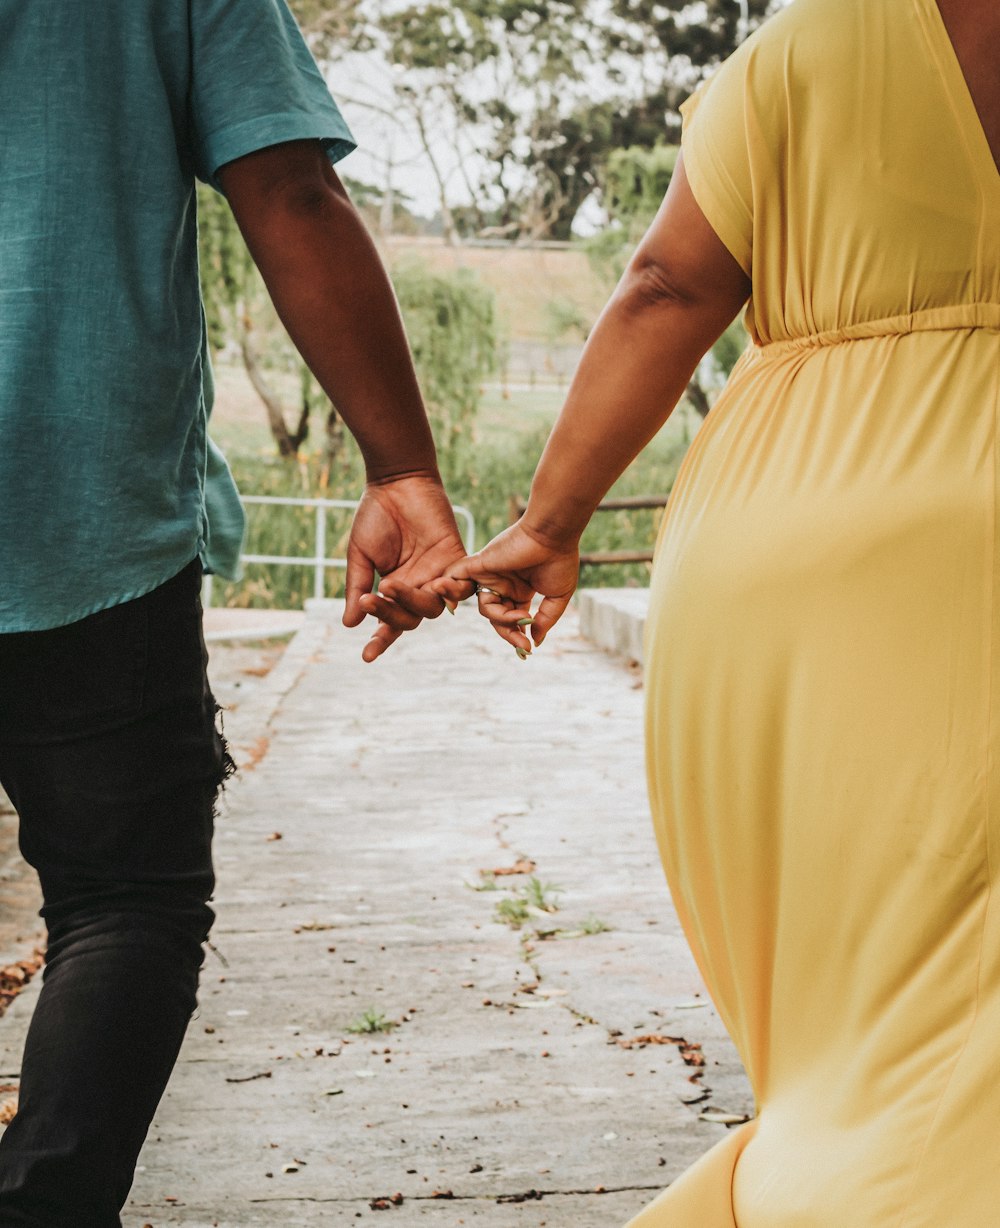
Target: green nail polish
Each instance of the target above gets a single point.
(522, 653)
(525, 622)
(449, 607)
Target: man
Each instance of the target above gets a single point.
(108, 744)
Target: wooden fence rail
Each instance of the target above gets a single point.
(517, 505)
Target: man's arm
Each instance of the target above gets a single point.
(333, 295)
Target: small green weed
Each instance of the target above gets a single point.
(594, 925)
(537, 894)
(512, 911)
(371, 1022)
(487, 882)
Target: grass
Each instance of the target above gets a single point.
(526, 280)
(512, 911)
(542, 896)
(371, 1022)
(487, 882)
(509, 433)
(532, 899)
(501, 465)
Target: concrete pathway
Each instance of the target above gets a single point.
(362, 859)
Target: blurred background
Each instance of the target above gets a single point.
(509, 158)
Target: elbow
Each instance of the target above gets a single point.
(309, 196)
(648, 285)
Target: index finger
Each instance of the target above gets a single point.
(418, 601)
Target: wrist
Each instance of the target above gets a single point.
(385, 475)
(557, 529)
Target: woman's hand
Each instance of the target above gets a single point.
(405, 531)
(516, 565)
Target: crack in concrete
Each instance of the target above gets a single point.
(528, 954)
(519, 1196)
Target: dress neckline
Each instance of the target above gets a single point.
(957, 87)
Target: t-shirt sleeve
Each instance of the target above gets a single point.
(254, 83)
(717, 144)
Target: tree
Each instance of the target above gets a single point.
(333, 28)
(487, 87)
(517, 106)
(450, 320)
(451, 323)
(673, 45)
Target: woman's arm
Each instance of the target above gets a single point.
(680, 291)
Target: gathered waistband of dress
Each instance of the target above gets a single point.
(957, 318)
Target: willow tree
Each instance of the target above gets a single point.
(452, 326)
(450, 319)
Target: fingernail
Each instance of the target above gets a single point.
(522, 653)
(525, 622)
(449, 607)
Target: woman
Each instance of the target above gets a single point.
(823, 673)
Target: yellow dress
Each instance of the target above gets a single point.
(823, 668)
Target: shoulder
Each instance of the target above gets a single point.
(803, 60)
(807, 30)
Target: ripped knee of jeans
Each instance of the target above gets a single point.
(226, 763)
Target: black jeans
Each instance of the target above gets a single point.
(110, 753)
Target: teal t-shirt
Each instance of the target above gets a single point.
(109, 109)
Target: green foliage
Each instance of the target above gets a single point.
(230, 282)
(450, 319)
(487, 882)
(729, 347)
(535, 896)
(543, 92)
(564, 318)
(333, 28)
(451, 323)
(636, 182)
(495, 470)
(663, 34)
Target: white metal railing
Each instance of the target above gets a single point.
(318, 560)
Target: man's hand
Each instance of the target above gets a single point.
(405, 532)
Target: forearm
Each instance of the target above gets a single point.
(634, 369)
(334, 297)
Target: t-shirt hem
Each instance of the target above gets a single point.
(66, 617)
(234, 142)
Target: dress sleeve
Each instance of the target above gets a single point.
(716, 141)
(254, 83)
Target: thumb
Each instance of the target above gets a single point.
(547, 615)
(359, 580)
